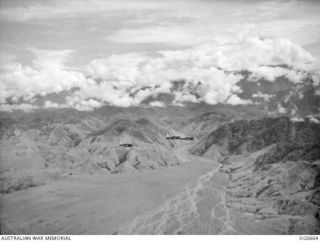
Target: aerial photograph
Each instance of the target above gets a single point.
(159, 117)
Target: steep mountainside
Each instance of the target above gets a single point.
(268, 183)
(202, 124)
(235, 199)
(30, 156)
(273, 167)
(149, 147)
(268, 174)
(248, 136)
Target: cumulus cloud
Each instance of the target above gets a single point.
(235, 100)
(271, 73)
(314, 119)
(157, 104)
(83, 104)
(119, 70)
(126, 81)
(207, 73)
(281, 109)
(48, 74)
(254, 52)
(297, 119)
(50, 104)
(23, 106)
(264, 96)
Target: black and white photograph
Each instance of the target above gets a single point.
(159, 117)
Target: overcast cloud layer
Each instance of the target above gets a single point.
(100, 52)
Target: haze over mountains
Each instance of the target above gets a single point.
(160, 117)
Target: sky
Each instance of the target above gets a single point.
(120, 52)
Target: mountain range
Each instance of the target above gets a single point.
(261, 162)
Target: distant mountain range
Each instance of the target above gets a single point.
(291, 92)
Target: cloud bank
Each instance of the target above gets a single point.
(207, 73)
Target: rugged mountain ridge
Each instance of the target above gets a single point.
(273, 166)
(150, 149)
(32, 156)
(248, 136)
(268, 182)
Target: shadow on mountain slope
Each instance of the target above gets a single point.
(33, 156)
(267, 183)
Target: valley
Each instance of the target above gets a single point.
(125, 176)
(94, 204)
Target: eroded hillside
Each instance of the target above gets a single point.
(259, 175)
(268, 182)
(32, 156)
